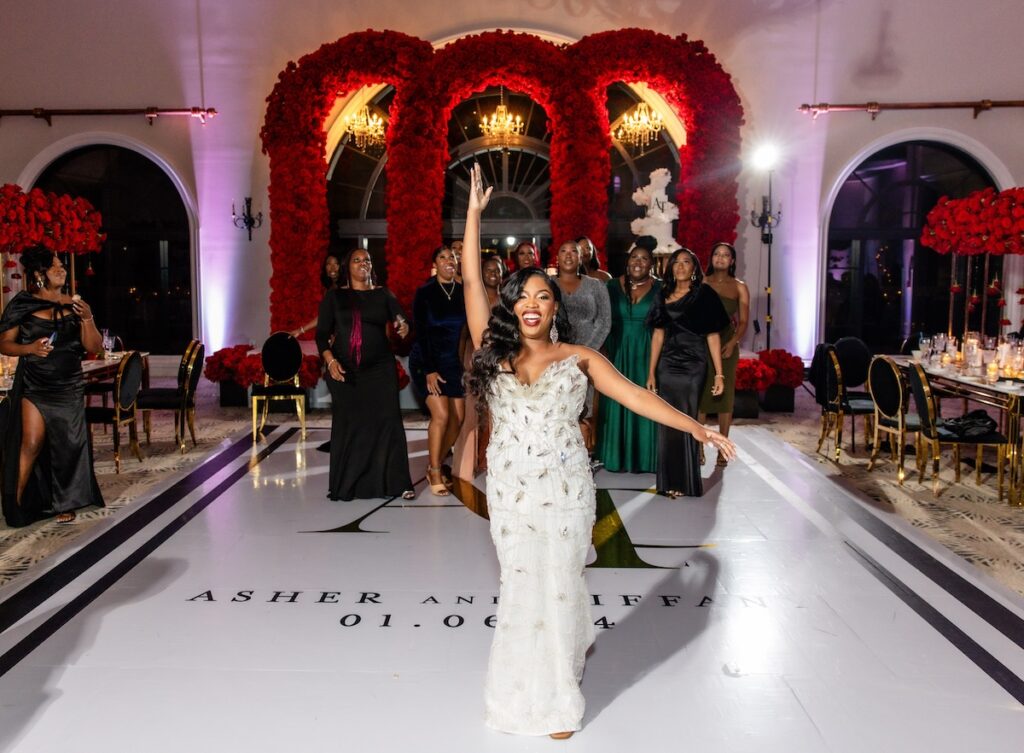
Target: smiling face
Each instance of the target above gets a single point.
(682, 268)
(639, 264)
(586, 248)
(360, 267)
(446, 265)
(569, 258)
(526, 256)
(535, 308)
(493, 271)
(332, 268)
(722, 258)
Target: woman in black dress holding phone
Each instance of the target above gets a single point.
(686, 318)
(47, 460)
(369, 456)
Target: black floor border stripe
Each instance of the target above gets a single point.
(988, 664)
(62, 616)
(980, 603)
(24, 601)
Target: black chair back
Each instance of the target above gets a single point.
(885, 386)
(282, 357)
(835, 389)
(854, 358)
(924, 400)
(817, 373)
(128, 381)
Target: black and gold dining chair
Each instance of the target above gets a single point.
(180, 399)
(885, 384)
(934, 434)
(836, 403)
(123, 411)
(282, 358)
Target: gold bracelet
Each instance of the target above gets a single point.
(87, 320)
(719, 376)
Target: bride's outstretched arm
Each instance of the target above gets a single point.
(608, 381)
(478, 311)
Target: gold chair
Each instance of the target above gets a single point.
(180, 399)
(885, 384)
(126, 391)
(933, 435)
(282, 358)
(837, 404)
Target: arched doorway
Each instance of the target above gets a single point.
(140, 285)
(880, 283)
(518, 169)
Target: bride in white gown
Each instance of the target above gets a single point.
(540, 491)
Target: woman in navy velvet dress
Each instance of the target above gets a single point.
(439, 313)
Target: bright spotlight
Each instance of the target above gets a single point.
(510, 240)
(765, 157)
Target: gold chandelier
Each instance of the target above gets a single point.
(502, 124)
(366, 128)
(640, 127)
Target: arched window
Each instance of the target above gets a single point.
(880, 283)
(519, 170)
(140, 284)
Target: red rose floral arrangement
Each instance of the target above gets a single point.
(788, 368)
(754, 374)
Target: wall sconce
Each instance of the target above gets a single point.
(246, 221)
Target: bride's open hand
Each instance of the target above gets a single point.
(478, 196)
(716, 440)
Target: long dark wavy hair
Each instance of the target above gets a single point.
(595, 263)
(668, 286)
(711, 258)
(326, 281)
(502, 341)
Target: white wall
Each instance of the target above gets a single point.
(781, 53)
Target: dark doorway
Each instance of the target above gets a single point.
(880, 283)
(140, 284)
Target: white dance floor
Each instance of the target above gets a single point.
(237, 609)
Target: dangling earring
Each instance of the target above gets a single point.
(553, 333)
(693, 277)
(40, 284)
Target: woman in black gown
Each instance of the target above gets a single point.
(439, 313)
(686, 318)
(369, 457)
(47, 459)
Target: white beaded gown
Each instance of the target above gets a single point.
(540, 497)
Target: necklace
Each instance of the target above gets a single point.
(448, 293)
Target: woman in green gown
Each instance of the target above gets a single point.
(721, 276)
(627, 442)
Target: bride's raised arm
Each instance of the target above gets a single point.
(478, 311)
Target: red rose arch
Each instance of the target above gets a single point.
(570, 82)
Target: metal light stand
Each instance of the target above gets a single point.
(766, 221)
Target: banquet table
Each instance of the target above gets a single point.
(94, 370)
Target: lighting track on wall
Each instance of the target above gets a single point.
(978, 106)
(202, 114)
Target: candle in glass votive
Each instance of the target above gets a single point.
(946, 359)
(992, 372)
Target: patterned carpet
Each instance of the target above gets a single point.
(965, 518)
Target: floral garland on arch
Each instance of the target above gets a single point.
(570, 81)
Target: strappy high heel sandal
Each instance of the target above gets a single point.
(436, 481)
